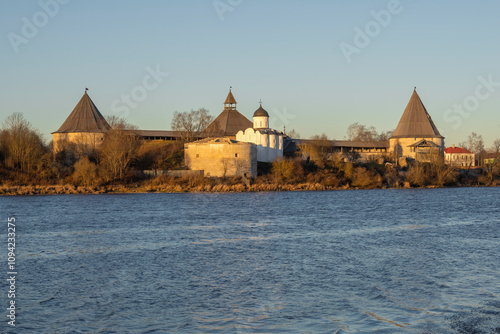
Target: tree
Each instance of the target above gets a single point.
(191, 124)
(85, 172)
(317, 149)
(475, 144)
(21, 145)
(119, 148)
(360, 132)
(293, 134)
(385, 135)
(283, 169)
(496, 148)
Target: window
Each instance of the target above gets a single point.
(236, 155)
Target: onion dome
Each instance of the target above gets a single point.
(261, 112)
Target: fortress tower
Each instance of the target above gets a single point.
(416, 135)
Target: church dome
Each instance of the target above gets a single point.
(261, 112)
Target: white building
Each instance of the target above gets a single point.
(269, 142)
(459, 156)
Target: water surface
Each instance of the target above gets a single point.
(384, 261)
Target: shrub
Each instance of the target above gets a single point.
(85, 172)
(366, 179)
(283, 169)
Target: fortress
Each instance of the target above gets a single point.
(237, 144)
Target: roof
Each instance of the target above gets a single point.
(156, 133)
(218, 140)
(349, 143)
(456, 150)
(261, 112)
(424, 143)
(84, 118)
(416, 121)
(230, 98)
(230, 121)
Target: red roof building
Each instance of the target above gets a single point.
(459, 156)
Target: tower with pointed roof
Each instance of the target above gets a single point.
(416, 135)
(85, 125)
(230, 121)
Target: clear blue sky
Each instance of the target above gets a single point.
(287, 53)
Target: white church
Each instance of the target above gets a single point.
(269, 142)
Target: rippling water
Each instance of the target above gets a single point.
(384, 261)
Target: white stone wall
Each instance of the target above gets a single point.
(460, 159)
(269, 143)
(261, 122)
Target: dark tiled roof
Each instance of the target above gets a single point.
(261, 112)
(229, 122)
(349, 143)
(157, 133)
(84, 118)
(416, 121)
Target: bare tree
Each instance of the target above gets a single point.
(317, 149)
(22, 145)
(360, 132)
(119, 149)
(496, 148)
(191, 124)
(474, 143)
(293, 134)
(385, 135)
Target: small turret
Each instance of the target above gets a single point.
(260, 119)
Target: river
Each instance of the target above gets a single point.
(384, 261)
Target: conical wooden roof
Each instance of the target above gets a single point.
(84, 118)
(416, 121)
(230, 121)
(230, 98)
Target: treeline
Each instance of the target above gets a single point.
(336, 173)
(26, 160)
(29, 166)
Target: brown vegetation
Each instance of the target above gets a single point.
(28, 166)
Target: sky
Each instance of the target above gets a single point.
(317, 66)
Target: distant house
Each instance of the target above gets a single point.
(85, 125)
(491, 158)
(459, 156)
(416, 135)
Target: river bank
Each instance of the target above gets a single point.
(69, 189)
